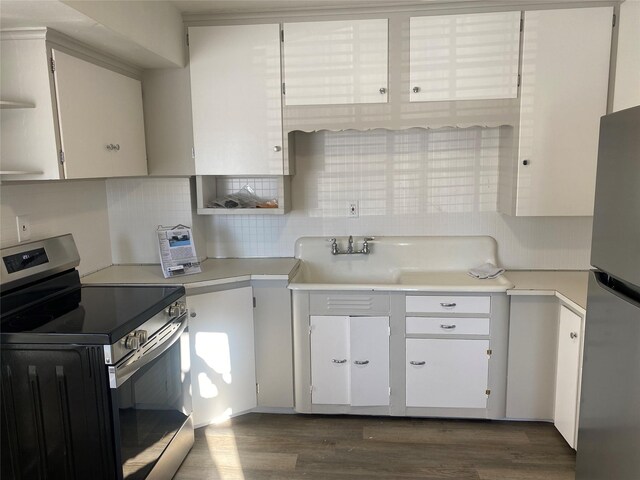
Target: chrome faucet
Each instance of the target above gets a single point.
(366, 249)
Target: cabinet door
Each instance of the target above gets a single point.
(565, 75)
(330, 366)
(565, 415)
(222, 354)
(447, 373)
(101, 121)
(464, 57)
(236, 99)
(369, 345)
(336, 62)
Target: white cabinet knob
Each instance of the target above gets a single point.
(277, 148)
(383, 90)
(416, 89)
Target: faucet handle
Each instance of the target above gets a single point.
(368, 239)
(331, 240)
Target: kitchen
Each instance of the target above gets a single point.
(404, 181)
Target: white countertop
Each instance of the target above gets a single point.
(215, 271)
(568, 286)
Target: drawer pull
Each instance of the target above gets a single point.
(335, 360)
(361, 362)
(447, 305)
(447, 327)
(415, 362)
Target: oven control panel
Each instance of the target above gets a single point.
(135, 339)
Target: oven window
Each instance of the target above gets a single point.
(153, 405)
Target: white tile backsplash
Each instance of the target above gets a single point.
(410, 182)
(137, 206)
(56, 208)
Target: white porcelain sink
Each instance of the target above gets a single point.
(397, 263)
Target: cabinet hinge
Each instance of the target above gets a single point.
(519, 79)
(389, 330)
(61, 157)
(389, 391)
(487, 392)
(187, 39)
(522, 24)
(284, 89)
(310, 388)
(282, 35)
(254, 302)
(193, 152)
(257, 389)
(310, 327)
(52, 63)
(489, 352)
(614, 20)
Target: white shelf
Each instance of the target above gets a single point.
(20, 172)
(210, 187)
(6, 104)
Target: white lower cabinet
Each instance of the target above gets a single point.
(349, 360)
(221, 340)
(447, 373)
(568, 375)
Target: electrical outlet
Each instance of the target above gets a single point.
(24, 227)
(353, 209)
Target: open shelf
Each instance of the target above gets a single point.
(4, 104)
(210, 187)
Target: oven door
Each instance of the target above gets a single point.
(150, 396)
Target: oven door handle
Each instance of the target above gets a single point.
(160, 343)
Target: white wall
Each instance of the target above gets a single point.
(154, 25)
(413, 182)
(627, 86)
(55, 208)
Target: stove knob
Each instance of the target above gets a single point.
(183, 308)
(173, 310)
(131, 342)
(142, 336)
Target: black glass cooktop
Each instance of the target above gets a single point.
(63, 310)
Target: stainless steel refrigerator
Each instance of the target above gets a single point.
(609, 428)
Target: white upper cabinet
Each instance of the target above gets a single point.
(236, 99)
(464, 57)
(565, 75)
(341, 62)
(101, 121)
(86, 121)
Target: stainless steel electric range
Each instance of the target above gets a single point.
(95, 379)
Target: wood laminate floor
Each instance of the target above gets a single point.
(296, 447)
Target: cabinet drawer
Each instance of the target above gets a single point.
(348, 304)
(447, 326)
(448, 304)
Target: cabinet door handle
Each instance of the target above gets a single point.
(277, 148)
(335, 360)
(383, 91)
(415, 362)
(416, 89)
(447, 305)
(573, 335)
(448, 327)
(361, 362)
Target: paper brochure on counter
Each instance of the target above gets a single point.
(177, 251)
